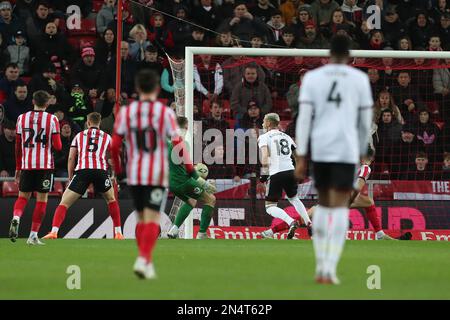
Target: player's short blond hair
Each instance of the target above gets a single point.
(94, 117)
(273, 118)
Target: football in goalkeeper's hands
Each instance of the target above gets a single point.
(202, 170)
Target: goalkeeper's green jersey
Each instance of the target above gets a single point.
(177, 172)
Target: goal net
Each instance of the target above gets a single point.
(228, 90)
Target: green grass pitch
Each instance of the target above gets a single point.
(222, 269)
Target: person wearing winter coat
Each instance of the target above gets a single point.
(20, 53)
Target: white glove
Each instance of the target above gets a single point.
(206, 185)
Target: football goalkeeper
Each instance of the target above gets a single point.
(189, 188)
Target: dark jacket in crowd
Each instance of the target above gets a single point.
(15, 107)
(90, 77)
(7, 155)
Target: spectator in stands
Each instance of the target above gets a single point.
(128, 71)
(446, 167)
(18, 103)
(404, 43)
(428, 135)
(215, 119)
(421, 30)
(252, 119)
(60, 112)
(275, 25)
(233, 69)
(151, 61)
(36, 23)
(105, 15)
(434, 43)
(220, 169)
(393, 28)
(289, 10)
(227, 8)
(421, 170)
(377, 84)
(105, 47)
(207, 15)
(243, 24)
(159, 35)
(208, 78)
(303, 16)
(256, 40)
(443, 29)
(312, 39)
(4, 57)
(321, 11)
(46, 80)
(362, 35)
(293, 93)
(127, 21)
(376, 40)
(404, 153)
(167, 83)
(7, 147)
(352, 12)
(387, 136)
(105, 106)
(406, 96)
(439, 9)
(9, 22)
(263, 10)
(79, 106)
(278, 75)
(88, 73)
(441, 85)
(337, 20)
(288, 38)
(141, 10)
(422, 77)
(62, 156)
(251, 88)
(385, 101)
(197, 39)
(52, 46)
(19, 53)
(181, 31)
(224, 39)
(138, 43)
(9, 81)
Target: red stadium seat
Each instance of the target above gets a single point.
(79, 42)
(87, 27)
(97, 5)
(10, 189)
(58, 189)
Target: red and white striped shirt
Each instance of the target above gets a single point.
(36, 129)
(146, 127)
(92, 145)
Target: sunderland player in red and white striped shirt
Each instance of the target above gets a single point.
(92, 147)
(145, 125)
(37, 137)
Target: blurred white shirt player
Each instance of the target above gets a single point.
(334, 122)
(277, 158)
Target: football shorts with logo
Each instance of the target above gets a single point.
(36, 180)
(84, 177)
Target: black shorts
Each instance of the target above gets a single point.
(151, 197)
(329, 175)
(36, 180)
(284, 180)
(83, 178)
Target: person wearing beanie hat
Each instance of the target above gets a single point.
(312, 39)
(9, 22)
(88, 73)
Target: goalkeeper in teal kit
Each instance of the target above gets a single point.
(189, 187)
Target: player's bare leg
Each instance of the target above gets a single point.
(147, 231)
(19, 207)
(276, 212)
(209, 202)
(114, 212)
(38, 216)
(367, 203)
(68, 199)
(330, 225)
(182, 214)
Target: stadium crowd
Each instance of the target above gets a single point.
(39, 50)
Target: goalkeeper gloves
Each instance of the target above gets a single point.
(206, 185)
(263, 178)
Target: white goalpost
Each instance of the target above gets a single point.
(190, 52)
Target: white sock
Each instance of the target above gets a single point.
(380, 234)
(117, 230)
(276, 212)
(174, 230)
(269, 232)
(33, 234)
(320, 232)
(16, 218)
(299, 206)
(338, 230)
(55, 229)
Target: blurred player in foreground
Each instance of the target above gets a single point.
(91, 146)
(145, 125)
(37, 136)
(277, 170)
(189, 187)
(335, 114)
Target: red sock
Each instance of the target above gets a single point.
(19, 206)
(279, 227)
(138, 234)
(114, 212)
(59, 216)
(372, 216)
(38, 215)
(149, 235)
